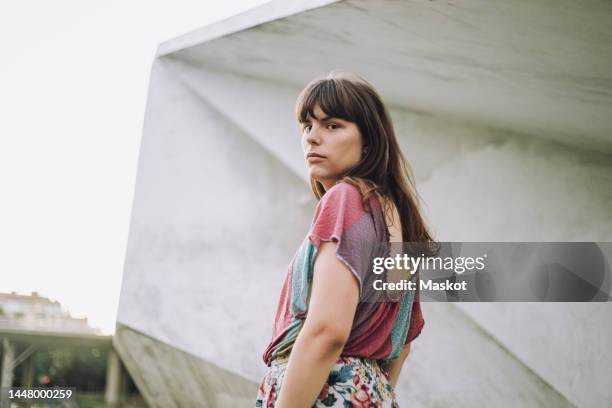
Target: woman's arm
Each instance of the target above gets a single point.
(333, 301)
(394, 367)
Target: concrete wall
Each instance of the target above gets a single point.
(214, 224)
(482, 184)
(222, 201)
(217, 215)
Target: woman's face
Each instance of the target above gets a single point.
(338, 141)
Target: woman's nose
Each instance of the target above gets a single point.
(313, 136)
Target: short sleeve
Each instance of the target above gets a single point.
(341, 217)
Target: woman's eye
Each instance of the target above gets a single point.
(332, 126)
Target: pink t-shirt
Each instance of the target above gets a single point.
(380, 328)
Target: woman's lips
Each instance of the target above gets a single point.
(314, 157)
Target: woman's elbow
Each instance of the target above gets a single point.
(327, 335)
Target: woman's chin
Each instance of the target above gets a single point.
(317, 174)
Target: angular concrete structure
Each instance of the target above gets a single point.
(503, 110)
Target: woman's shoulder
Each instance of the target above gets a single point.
(343, 188)
(342, 193)
(343, 198)
(346, 194)
(343, 205)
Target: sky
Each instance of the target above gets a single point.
(73, 88)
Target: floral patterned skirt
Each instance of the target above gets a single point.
(353, 382)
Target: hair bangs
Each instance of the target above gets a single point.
(331, 96)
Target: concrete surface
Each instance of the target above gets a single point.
(501, 108)
(171, 378)
(534, 67)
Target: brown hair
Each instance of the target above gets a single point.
(383, 168)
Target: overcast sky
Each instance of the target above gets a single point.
(73, 87)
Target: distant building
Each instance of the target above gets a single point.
(37, 313)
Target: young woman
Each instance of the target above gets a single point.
(334, 342)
